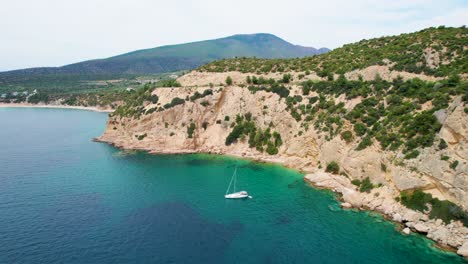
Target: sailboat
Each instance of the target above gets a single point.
(235, 195)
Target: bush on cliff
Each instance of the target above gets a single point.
(445, 210)
(190, 130)
(229, 80)
(333, 167)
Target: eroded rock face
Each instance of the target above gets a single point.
(305, 148)
(463, 250)
(302, 148)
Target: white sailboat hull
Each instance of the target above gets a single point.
(237, 195)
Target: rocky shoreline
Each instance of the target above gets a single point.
(452, 236)
(382, 200)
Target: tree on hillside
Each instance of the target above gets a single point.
(229, 80)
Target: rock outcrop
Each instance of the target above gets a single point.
(303, 148)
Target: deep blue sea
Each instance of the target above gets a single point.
(66, 199)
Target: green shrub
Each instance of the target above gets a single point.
(356, 182)
(413, 154)
(333, 167)
(286, 78)
(360, 129)
(154, 99)
(442, 144)
(454, 164)
(175, 101)
(271, 149)
(444, 157)
(347, 136)
(383, 167)
(366, 141)
(169, 83)
(190, 130)
(445, 210)
(417, 200)
(229, 80)
(366, 185)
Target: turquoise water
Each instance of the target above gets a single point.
(66, 199)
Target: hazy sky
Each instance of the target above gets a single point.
(57, 32)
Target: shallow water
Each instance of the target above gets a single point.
(66, 199)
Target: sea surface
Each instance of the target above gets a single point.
(66, 199)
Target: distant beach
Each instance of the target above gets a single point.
(89, 108)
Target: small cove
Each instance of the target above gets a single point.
(66, 199)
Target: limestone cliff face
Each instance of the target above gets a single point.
(304, 149)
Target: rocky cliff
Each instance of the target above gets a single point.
(305, 149)
(378, 130)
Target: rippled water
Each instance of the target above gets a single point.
(66, 199)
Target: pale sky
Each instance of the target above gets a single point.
(57, 32)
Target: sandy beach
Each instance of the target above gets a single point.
(88, 108)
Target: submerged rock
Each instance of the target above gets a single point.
(346, 205)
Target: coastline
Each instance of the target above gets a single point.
(451, 237)
(26, 105)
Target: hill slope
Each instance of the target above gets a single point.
(166, 59)
(394, 143)
(433, 51)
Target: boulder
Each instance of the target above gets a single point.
(411, 216)
(353, 197)
(397, 218)
(406, 231)
(463, 250)
(346, 205)
(421, 227)
(440, 235)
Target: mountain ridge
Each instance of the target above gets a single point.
(185, 56)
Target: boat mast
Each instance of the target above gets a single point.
(230, 182)
(235, 177)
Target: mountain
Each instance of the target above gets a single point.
(432, 51)
(168, 58)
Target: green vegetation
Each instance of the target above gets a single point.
(442, 144)
(454, 164)
(128, 68)
(229, 80)
(445, 210)
(175, 101)
(198, 95)
(347, 136)
(411, 155)
(364, 185)
(190, 130)
(406, 51)
(38, 97)
(261, 140)
(383, 167)
(169, 83)
(333, 167)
